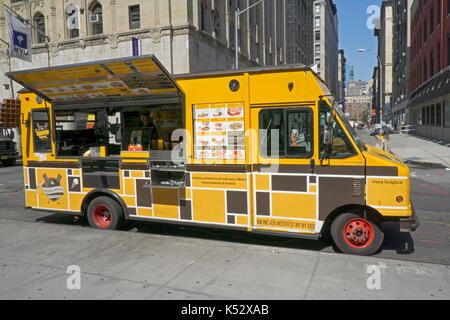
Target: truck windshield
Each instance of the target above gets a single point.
(349, 128)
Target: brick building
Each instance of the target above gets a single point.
(430, 68)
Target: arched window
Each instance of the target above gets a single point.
(96, 18)
(39, 23)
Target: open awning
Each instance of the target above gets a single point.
(109, 79)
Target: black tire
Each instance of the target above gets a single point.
(112, 211)
(357, 224)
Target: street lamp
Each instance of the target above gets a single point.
(381, 76)
(237, 13)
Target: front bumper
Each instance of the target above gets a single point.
(410, 223)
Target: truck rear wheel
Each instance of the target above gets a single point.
(104, 213)
(353, 234)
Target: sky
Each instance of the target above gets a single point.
(354, 34)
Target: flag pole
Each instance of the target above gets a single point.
(9, 63)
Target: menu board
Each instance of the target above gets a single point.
(219, 131)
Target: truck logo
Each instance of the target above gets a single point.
(52, 187)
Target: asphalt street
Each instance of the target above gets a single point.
(430, 192)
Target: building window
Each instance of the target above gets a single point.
(317, 63)
(96, 18)
(317, 7)
(431, 64)
(203, 16)
(439, 57)
(317, 35)
(448, 50)
(39, 23)
(134, 15)
(433, 115)
(425, 69)
(432, 21)
(317, 49)
(446, 113)
(317, 22)
(438, 115)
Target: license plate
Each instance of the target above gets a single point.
(4, 158)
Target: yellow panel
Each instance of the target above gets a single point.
(76, 172)
(383, 192)
(75, 201)
(134, 154)
(165, 203)
(209, 205)
(30, 198)
(262, 182)
(145, 212)
(185, 193)
(274, 88)
(312, 188)
(218, 180)
(130, 187)
(242, 220)
(52, 188)
(292, 205)
(137, 174)
(25, 175)
(130, 201)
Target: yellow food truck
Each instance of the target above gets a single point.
(264, 150)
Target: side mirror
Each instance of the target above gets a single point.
(328, 136)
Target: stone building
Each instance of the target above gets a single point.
(326, 42)
(401, 58)
(185, 35)
(429, 103)
(385, 52)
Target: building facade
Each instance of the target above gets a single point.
(385, 53)
(326, 42)
(358, 102)
(185, 35)
(401, 58)
(341, 75)
(429, 104)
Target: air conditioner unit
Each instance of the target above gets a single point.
(94, 18)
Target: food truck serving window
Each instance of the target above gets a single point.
(286, 133)
(82, 132)
(41, 131)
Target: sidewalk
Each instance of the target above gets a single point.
(34, 261)
(413, 149)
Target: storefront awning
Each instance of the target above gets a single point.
(110, 79)
(435, 87)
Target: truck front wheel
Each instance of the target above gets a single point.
(104, 213)
(353, 234)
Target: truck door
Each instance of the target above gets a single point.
(285, 188)
(341, 168)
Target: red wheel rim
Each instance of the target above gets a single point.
(102, 216)
(358, 233)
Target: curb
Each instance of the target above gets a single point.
(420, 163)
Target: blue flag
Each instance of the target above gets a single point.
(19, 38)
